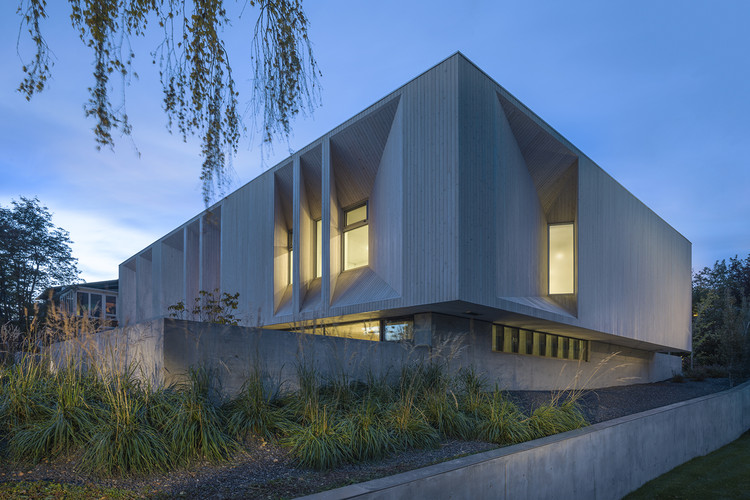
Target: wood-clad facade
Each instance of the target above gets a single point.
(461, 183)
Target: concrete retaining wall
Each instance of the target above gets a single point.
(604, 461)
(163, 350)
(139, 346)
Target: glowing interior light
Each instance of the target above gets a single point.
(562, 267)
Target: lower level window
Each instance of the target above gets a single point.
(519, 341)
(392, 330)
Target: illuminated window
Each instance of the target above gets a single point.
(290, 256)
(318, 249)
(513, 340)
(561, 259)
(397, 330)
(111, 306)
(356, 236)
(366, 330)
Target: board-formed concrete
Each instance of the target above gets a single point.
(164, 350)
(604, 461)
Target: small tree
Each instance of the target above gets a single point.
(34, 254)
(210, 306)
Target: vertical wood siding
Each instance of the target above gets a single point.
(462, 181)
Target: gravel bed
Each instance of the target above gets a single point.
(265, 470)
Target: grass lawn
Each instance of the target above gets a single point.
(45, 490)
(725, 473)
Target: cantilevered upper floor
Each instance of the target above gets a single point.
(448, 195)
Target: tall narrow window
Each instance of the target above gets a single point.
(82, 300)
(111, 305)
(290, 255)
(318, 239)
(356, 237)
(561, 259)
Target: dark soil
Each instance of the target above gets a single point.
(265, 470)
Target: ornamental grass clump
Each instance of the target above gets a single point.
(555, 417)
(63, 420)
(126, 440)
(24, 394)
(441, 410)
(366, 434)
(319, 444)
(409, 427)
(255, 410)
(192, 422)
(501, 421)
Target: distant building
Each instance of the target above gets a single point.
(446, 207)
(92, 299)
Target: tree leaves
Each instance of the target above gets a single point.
(34, 255)
(200, 96)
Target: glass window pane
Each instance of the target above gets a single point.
(83, 302)
(399, 330)
(553, 346)
(542, 344)
(111, 307)
(561, 259)
(498, 340)
(528, 341)
(355, 215)
(96, 304)
(356, 248)
(318, 248)
(290, 246)
(515, 341)
(368, 330)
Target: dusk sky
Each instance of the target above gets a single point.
(657, 93)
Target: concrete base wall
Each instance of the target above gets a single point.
(140, 347)
(608, 365)
(163, 351)
(604, 461)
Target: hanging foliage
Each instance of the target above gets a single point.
(200, 96)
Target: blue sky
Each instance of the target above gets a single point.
(656, 92)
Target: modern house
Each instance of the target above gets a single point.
(445, 208)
